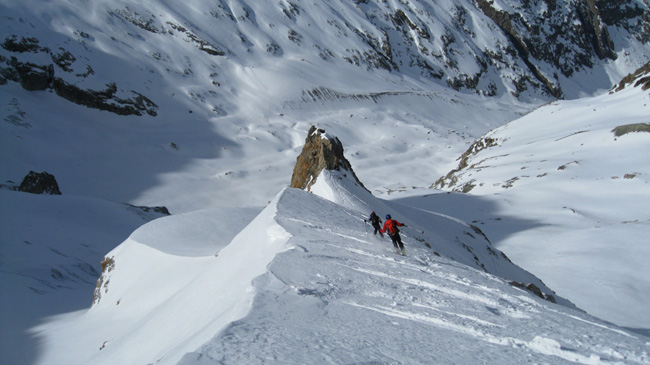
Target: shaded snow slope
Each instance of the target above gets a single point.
(569, 201)
(50, 253)
(167, 290)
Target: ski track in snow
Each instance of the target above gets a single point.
(332, 293)
(338, 279)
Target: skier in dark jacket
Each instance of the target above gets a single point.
(376, 223)
(390, 226)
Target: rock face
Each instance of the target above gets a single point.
(641, 77)
(525, 48)
(48, 75)
(321, 151)
(39, 183)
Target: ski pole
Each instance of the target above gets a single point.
(415, 229)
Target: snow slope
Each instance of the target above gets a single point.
(50, 254)
(304, 282)
(226, 134)
(568, 200)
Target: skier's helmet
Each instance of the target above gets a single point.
(387, 216)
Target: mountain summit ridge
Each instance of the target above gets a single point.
(303, 283)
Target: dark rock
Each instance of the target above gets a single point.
(31, 77)
(40, 77)
(105, 99)
(504, 21)
(451, 179)
(595, 31)
(535, 290)
(631, 128)
(321, 151)
(24, 45)
(640, 77)
(161, 209)
(39, 183)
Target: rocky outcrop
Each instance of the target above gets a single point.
(451, 179)
(321, 152)
(535, 290)
(628, 15)
(159, 209)
(595, 31)
(45, 76)
(640, 77)
(108, 264)
(566, 34)
(39, 183)
(504, 21)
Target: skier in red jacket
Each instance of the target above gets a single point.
(390, 226)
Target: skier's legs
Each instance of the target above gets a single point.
(395, 239)
(398, 238)
(397, 242)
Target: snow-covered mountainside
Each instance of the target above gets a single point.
(221, 92)
(203, 106)
(305, 282)
(495, 47)
(570, 188)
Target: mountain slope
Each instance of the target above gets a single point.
(324, 291)
(220, 120)
(492, 48)
(580, 183)
(217, 92)
(203, 105)
(49, 259)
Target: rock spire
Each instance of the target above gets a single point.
(321, 151)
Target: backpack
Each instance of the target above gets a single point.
(392, 227)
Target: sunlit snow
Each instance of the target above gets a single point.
(246, 270)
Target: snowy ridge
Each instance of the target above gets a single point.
(158, 301)
(440, 234)
(343, 297)
(305, 282)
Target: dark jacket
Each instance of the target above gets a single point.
(374, 219)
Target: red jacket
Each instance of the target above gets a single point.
(391, 226)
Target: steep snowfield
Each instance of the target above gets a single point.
(305, 282)
(568, 200)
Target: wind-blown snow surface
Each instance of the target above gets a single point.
(568, 200)
(305, 282)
